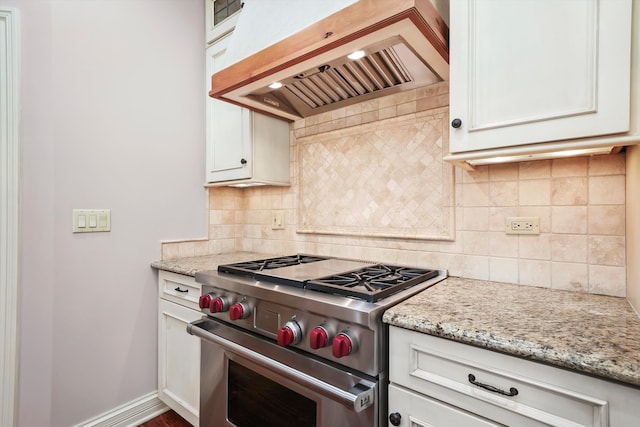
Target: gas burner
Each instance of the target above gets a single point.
(371, 283)
(355, 279)
(289, 260)
(249, 267)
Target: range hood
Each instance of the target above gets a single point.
(402, 44)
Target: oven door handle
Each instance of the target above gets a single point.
(360, 397)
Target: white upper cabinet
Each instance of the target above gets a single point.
(228, 144)
(243, 148)
(530, 71)
(220, 17)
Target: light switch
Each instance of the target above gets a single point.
(102, 220)
(91, 220)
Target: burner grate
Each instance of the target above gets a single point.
(371, 283)
(248, 268)
(368, 282)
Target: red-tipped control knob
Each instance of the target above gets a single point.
(318, 338)
(342, 345)
(285, 336)
(239, 311)
(218, 305)
(289, 334)
(204, 301)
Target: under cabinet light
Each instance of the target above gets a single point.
(540, 156)
(247, 184)
(275, 85)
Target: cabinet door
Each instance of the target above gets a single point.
(178, 360)
(228, 129)
(531, 71)
(416, 410)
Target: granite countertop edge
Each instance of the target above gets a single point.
(175, 267)
(568, 349)
(189, 266)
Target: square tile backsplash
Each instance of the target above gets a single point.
(580, 203)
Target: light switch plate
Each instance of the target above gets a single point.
(91, 220)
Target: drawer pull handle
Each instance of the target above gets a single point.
(512, 391)
(184, 291)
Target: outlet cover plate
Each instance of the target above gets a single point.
(277, 220)
(522, 225)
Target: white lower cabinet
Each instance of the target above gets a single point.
(415, 410)
(437, 382)
(178, 352)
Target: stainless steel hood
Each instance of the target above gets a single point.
(404, 43)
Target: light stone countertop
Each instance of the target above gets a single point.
(588, 333)
(190, 266)
(593, 334)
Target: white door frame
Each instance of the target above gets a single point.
(9, 212)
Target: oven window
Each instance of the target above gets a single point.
(254, 400)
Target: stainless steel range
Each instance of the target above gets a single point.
(299, 340)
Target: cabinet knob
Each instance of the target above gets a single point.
(456, 123)
(243, 161)
(395, 418)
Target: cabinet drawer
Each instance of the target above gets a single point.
(445, 370)
(180, 289)
(421, 411)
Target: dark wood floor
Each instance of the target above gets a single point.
(168, 419)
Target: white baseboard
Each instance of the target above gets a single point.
(130, 414)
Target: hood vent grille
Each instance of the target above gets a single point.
(327, 85)
(383, 70)
(301, 69)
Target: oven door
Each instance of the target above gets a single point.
(247, 380)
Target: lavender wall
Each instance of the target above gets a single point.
(112, 117)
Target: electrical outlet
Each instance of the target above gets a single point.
(522, 225)
(277, 220)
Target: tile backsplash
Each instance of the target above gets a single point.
(580, 203)
(581, 206)
(382, 179)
